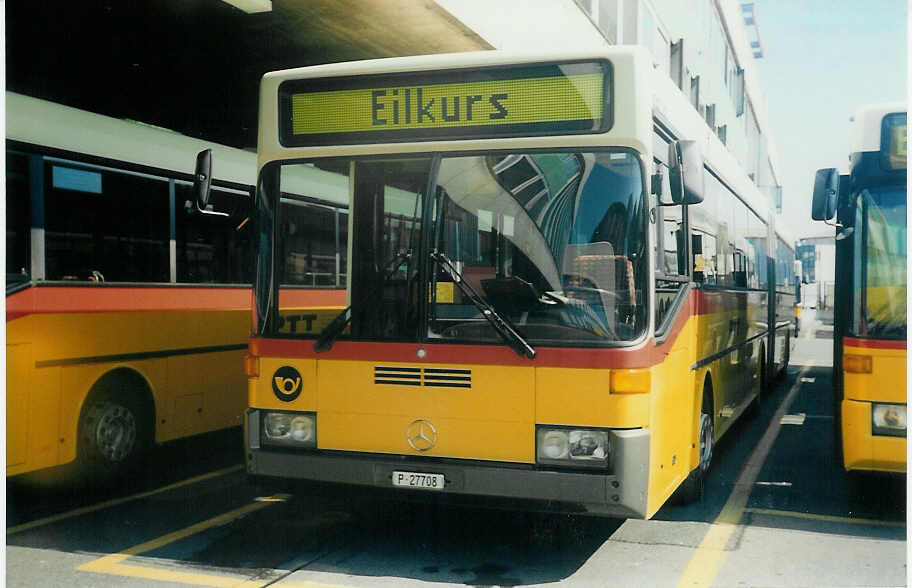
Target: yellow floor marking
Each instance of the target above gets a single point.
(824, 518)
(102, 505)
(710, 554)
(111, 564)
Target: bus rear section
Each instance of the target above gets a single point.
(127, 309)
(98, 372)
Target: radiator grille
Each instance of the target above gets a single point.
(428, 377)
(400, 376)
(447, 378)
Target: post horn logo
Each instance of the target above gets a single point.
(286, 383)
(421, 435)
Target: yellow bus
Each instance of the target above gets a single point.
(127, 310)
(561, 287)
(869, 359)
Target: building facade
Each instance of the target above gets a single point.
(707, 47)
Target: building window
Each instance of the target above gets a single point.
(709, 113)
(737, 92)
(676, 66)
(695, 91)
(722, 133)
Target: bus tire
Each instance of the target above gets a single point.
(691, 489)
(114, 430)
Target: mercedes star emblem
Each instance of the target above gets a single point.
(421, 435)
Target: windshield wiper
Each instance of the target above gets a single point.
(500, 323)
(325, 341)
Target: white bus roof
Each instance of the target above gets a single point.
(867, 122)
(47, 124)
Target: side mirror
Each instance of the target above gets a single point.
(826, 189)
(202, 178)
(685, 172)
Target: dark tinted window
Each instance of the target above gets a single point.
(107, 222)
(310, 244)
(213, 248)
(17, 216)
(314, 247)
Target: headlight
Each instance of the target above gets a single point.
(554, 445)
(888, 419)
(302, 429)
(278, 425)
(290, 429)
(572, 447)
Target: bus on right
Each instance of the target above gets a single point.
(869, 355)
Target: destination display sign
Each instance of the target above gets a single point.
(546, 99)
(893, 141)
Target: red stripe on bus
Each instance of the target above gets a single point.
(643, 355)
(316, 298)
(70, 300)
(874, 343)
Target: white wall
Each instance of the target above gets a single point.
(527, 25)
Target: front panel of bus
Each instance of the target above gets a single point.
(873, 320)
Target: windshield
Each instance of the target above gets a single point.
(879, 309)
(553, 243)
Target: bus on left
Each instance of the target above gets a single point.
(127, 309)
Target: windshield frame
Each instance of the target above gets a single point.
(266, 284)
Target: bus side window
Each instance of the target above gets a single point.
(671, 257)
(310, 246)
(671, 265)
(213, 249)
(703, 249)
(18, 218)
(699, 263)
(105, 222)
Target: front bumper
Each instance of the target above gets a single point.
(622, 493)
(864, 451)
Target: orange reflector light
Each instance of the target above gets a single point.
(857, 364)
(252, 366)
(630, 381)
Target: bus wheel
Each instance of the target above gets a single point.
(691, 489)
(113, 434)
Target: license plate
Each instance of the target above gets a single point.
(418, 480)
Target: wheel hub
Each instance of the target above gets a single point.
(706, 441)
(116, 432)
